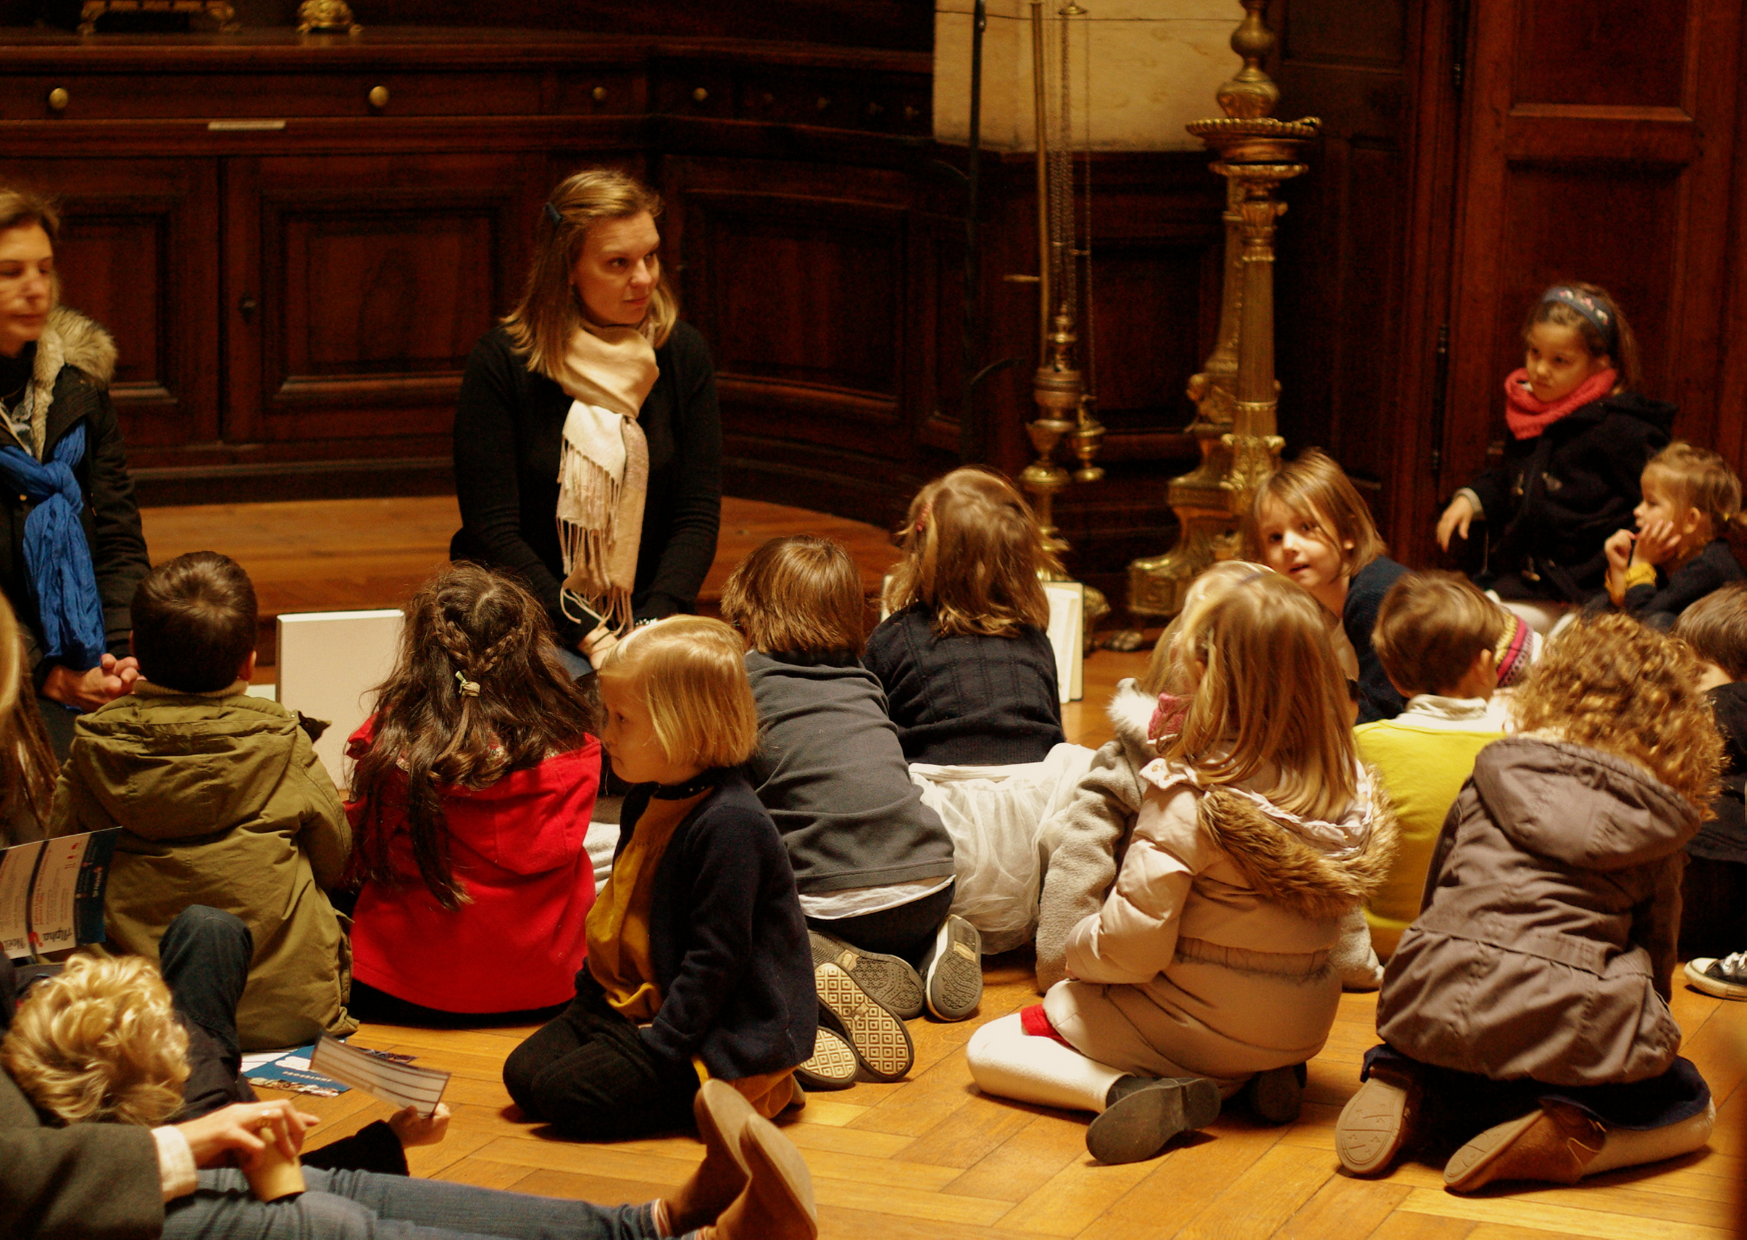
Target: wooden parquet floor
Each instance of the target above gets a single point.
(930, 1157)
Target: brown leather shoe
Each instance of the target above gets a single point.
(722, 1115)
(1377, 1123)
(777, 1203)
(1551, 1145)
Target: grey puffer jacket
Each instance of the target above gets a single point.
(1082, 843)
(1545, 945)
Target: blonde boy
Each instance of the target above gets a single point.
(1679, 553)
(1437, 637)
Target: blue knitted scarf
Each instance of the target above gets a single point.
(56, 556)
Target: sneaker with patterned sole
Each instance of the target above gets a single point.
(1725, 978)
(833, 1064)
(881, 1041)
(889, 979)
(952, 971)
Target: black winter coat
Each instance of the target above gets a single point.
(1558, 496)
(509, 429)
(76, 358)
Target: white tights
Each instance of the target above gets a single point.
(1625, 1147)
(1008, 1062)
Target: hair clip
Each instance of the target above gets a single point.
(553, 214)
(469, 688)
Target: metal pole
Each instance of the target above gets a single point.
(1043, 237)
(969, 433)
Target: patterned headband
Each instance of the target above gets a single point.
(1591, 308)
(553, 214)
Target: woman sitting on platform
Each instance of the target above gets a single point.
(593, 404)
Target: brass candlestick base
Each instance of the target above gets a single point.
(1236, 396)
(326, 17)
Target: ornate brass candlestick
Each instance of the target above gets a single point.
(1235, 395)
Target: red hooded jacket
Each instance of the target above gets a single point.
(517, 847)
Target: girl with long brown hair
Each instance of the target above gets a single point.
(475, 780)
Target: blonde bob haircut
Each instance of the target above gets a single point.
(1165, 671)
(972, 553)
(548, 315)
(1612, 684)
(1271, 698)
(690, 672)
(99, 1043)
(1315, 488)
(1431, 627)
(798, 595)
(1700, 479)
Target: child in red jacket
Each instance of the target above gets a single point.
(474, 785)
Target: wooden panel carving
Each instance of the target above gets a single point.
(136, 254)
(374, 283)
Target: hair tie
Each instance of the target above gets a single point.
(922, 517)
(553, 214)
(469, 688)
(1589, 307)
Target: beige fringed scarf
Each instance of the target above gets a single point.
(603, 471)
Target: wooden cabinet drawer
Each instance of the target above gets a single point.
(219, 96)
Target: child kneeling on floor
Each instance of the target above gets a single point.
(1209, 963)
(873, 864)
(221, 801)
(1525, 1012)
(698, 964)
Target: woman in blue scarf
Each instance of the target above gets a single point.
(71, 550)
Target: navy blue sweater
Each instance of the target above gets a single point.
(726, 939)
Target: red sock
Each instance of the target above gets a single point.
(1036, 1024)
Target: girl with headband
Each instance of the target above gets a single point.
(1579, 439)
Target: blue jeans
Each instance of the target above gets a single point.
(359, 1205)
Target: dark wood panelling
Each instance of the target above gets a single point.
(137, 255)
(1623, 53)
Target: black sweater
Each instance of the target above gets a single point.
(967, 700)
(1377, 696)
(1658, 605)
(726, 939)
(509, 430)
(1724, 838)
(1557, 497)
(832, 774)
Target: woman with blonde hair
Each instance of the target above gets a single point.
(1210, 962)
(588, 444)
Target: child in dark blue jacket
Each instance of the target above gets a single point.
(698, 962)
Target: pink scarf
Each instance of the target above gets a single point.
(1528, 417)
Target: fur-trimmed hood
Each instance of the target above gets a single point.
(1130, 712)
(69, 339)
(1285, 866)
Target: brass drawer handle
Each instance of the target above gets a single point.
(700, 94)
(599, 94)
(378, 97)
(59, 99)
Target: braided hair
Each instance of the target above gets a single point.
(477, 692)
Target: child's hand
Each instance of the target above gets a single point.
(246, 1128)
(414, 1129)
(1657, 542)
(1619, 550)
(596, 644)
(1456, 520)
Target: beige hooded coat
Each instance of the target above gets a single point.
(1211, 956)
(223, 802)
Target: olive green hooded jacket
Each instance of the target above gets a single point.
(222, 802)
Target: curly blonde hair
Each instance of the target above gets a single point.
(99, 1043)
(1612, 684)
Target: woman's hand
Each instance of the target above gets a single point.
(245, 1129)
(597, 643)
(415, 1129)
(1456, 520)
(110, 679)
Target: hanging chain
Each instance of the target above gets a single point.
(1087, 331)
(1061, 183)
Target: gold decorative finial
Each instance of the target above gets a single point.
(1252, 93)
